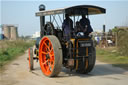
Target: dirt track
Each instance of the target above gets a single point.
(17, 73)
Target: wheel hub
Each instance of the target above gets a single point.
(47, 56)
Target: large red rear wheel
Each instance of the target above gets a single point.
(50, 56)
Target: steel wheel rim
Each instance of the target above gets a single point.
(46, 56)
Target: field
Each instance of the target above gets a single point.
(112, 56)
(9, 50)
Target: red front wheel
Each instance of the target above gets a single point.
(50, 56)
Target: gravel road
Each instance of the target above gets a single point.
(17, 73)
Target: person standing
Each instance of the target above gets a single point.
(67, 27)
(85, 23)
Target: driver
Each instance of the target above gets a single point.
(85, 23)
(67, 27)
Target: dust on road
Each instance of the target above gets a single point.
(17, 73)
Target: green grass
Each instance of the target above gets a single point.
(9, 50)
(112, 56)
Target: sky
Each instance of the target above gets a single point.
(22, 13)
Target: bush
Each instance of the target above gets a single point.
(112, 56)
(123, 42)
(10, 49)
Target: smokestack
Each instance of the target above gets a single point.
(42, 20)
(104, 29)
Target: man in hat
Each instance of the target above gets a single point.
(67, 27)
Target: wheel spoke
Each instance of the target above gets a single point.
(44, 63)
(49, 67)
(44, 52)
(52, 65)
(51, 60)
(51, 54)
(48, 49)
(47, 46)
(51, 50)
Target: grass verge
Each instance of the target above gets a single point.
(9, 50)
(111, 55)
